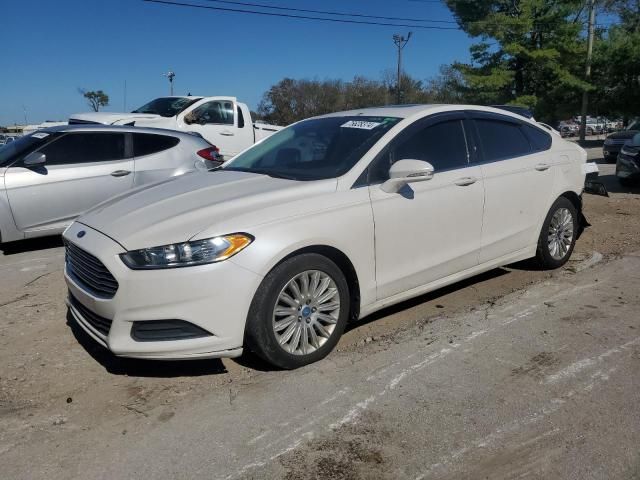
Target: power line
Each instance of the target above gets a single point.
(340, 14)
(323, 19)
(302, 17)
(324, 12)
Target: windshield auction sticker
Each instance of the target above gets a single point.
(360, 124)
(40, 135)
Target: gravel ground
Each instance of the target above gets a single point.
(69, 409)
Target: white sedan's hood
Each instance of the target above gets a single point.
(178, 209)
(111, 118)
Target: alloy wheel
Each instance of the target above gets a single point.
(306, 312)
(560, 235)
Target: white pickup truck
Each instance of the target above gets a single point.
(222, 121)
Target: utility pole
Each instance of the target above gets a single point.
(400, 42)
(591, 4)
(170, 75)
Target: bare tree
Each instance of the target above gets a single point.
(95, 98)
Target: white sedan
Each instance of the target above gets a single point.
(328, 220)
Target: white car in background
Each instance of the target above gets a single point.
(50, 177)
(222, 121)
(331, 219)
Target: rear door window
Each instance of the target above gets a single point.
(501, 140)
(85, 147)
(149, 143)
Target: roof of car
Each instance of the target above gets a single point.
(90, 127)
(407, 111)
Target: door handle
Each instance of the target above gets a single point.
(120, 173)
(541, 167)
(227, 133)
(466, 181)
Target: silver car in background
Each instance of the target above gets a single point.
(50, 177)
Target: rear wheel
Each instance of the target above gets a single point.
(299, 311)
(558, 236)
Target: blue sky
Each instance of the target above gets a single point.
(51, 48)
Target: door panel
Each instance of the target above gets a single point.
(427, 231)
(52, 196)
(430, 229)
(518, 182)
(517, 193)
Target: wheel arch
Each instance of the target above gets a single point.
(574, 198)
(345, 265)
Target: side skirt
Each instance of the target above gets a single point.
(451, 279)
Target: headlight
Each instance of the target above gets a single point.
(197, 252)
(608, 141)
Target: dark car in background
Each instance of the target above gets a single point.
(628, 162)
(614, 142)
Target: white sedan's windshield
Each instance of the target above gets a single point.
(314, 149)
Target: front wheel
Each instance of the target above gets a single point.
(558, 236)
(299, 311)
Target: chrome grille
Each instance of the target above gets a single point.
(89, 272)
(102, 325)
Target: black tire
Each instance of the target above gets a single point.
(544, 257)
(259, 334)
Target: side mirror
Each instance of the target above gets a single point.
(407, 171)
(35, 159)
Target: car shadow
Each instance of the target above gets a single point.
(594, 142)
(427, 297)
(254, 362)
(132, 367)
(613, 185)
(31, 245)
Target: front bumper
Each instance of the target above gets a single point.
(214, 297)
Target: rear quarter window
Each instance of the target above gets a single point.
(149, 143)
(540, 140)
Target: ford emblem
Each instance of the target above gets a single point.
(81, 234)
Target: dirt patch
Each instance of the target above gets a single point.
(578, 317)
(536, 366)
(352, 452)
